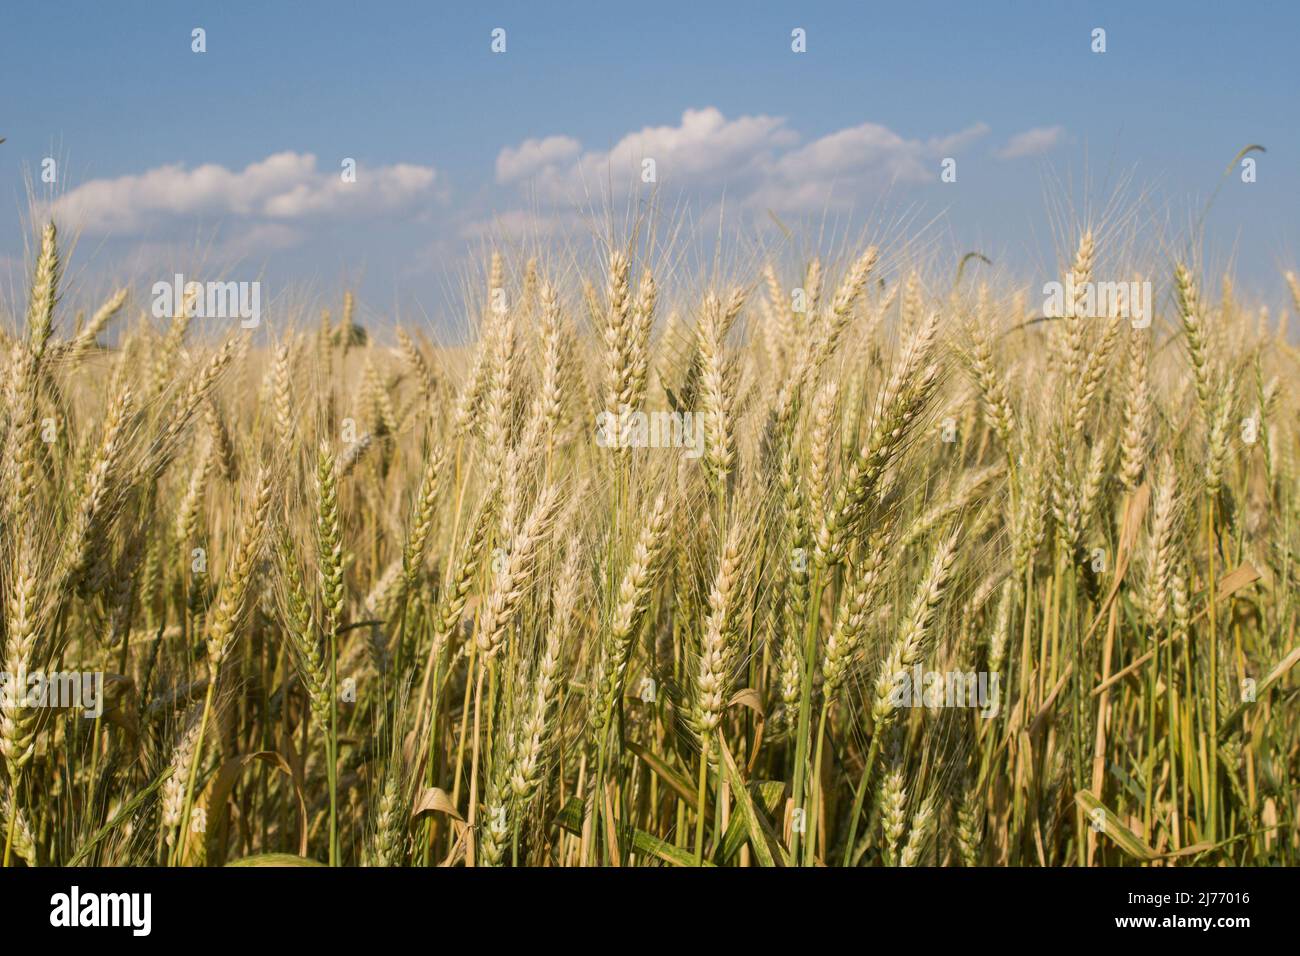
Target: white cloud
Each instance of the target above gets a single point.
(840, 165)
(704, 150)
(535, 155)
(757, 162)
(944, 145)
(283, 187)
(1031, 142)
(757, 159)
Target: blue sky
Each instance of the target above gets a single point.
(454, 142)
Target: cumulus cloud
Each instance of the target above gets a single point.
(284, 187)
(944, 145)
(853, 159)
(704, 150)
(1031, 142)
(757, 162)
(532, 156)
(758, 159)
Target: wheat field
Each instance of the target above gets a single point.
(635, 576)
